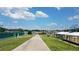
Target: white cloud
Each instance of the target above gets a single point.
(12, 27)
(75, 17)
(58, 8)
(21, 13)
(41, 14)
(52, 24)
(18, 13)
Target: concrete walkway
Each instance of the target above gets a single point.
(34, 44)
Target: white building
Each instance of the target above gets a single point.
(72, 37)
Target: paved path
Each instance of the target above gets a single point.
(34, 44)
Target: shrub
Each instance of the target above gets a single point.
(29, 32)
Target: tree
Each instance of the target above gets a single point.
(20, 30)
(29, 32)
(2, 29)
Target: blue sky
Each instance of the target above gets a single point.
(39, 17)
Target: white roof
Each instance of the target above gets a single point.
(67, 33)
(74, 34)
(63, 33)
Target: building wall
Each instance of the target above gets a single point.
(74, 39)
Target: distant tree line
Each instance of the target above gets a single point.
(73, 28)
(2, 29)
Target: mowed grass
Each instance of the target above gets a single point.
(8, 44)
(56, 44)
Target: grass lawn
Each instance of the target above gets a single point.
(10, 43)
(56, 44)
